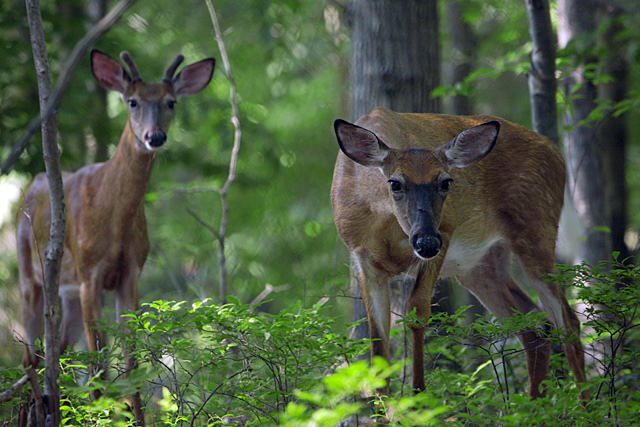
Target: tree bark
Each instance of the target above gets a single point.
(613, 133)
(584, 149)
(395, 64)
(55, 246)
(395, 57)
(96, 10)
(462, 48)
(463, 45)
(542, 76)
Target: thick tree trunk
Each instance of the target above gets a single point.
(462, 48)
(55, 246)
(542, 77)
(395, 55)
(584, 149)
(463, 45)
(395, 64)
(613, 133)
(97, 9)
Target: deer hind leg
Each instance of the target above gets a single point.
(554, 303)
(31, 290)
(31, 299)
(491, 282)
(71, 328)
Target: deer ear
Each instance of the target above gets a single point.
(193, 78)
(471, 145)
(108, 72)
(359, 144)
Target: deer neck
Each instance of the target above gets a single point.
(127, 173)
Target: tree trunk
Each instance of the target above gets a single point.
(55, 246)
(462, 48)
(542, 76)
(101, 129)
(613, 133)
(395, 55)
(584, 149)
(463, 45)
(395, 64)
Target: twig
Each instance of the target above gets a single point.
(202, 222)
(234, 100)
(235, 119)
(268, 289)
(16, 387)
(36, 392)
(92, 35)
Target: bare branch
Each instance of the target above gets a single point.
(6, 395)
(268, 289)
(234, 101)
(202, 222)
(100, 28)
(234, 153)
(36, 392)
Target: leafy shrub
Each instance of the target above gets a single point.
(207, 365)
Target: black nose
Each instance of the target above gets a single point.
(155, 138)
(426, 246)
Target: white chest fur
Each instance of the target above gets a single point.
(463, 255)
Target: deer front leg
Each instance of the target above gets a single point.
(126, 302)
(374, 285)
(420, 300)
(90, 301)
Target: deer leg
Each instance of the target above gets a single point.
(31, 300)
(91, 311)
(71, 328)
(492, 284)
(374, 285)
(420, 300)
(127, 301)
(557, 307)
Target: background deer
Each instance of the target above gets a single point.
(106, 241)
(414, 193)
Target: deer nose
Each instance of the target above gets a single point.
(155, 138)
(426, 246)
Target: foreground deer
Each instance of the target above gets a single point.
(414, 193)
(106, 236)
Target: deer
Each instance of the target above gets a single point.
(436, 196)
(106, 242)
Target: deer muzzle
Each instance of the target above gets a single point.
(426, 246)
(155, 138)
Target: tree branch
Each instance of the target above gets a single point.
(92, 35)
(202, 222)
(6, 395)
(235, 119)
(55, 245)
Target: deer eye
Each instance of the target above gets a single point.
(444, 185)
(171, 104)
(132, 103)
(396, 186)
